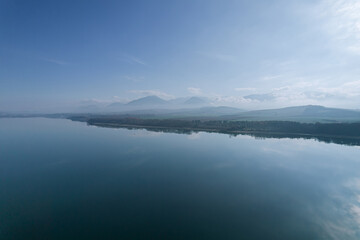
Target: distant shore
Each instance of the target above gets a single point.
(340, 133)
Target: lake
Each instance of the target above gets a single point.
(65, 180)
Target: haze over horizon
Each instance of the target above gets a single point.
(58, 56)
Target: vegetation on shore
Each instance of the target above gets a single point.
(334, 129)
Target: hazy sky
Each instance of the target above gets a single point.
(57, 54)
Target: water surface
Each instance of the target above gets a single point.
(65, 180)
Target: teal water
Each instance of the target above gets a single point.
(65, 180)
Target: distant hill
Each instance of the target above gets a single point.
(212, 111)
(309, 113)
(260, 97)
(116, 104)
(200, 113)
(147, 101)
(177, 101)
(195, 101)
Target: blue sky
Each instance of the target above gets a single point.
(250, 54)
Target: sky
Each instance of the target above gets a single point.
(56, 55)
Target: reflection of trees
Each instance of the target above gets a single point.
(339, 133)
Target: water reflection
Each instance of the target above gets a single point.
(193, 134)
(64, 180)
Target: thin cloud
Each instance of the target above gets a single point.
(194, 91)
(99, 101)
(219, 56)
(134, 60)
(271, 77)
(348, 89)
(231, 100)
(133, 78)
(342, 23)
(245, 89)
(120, 99)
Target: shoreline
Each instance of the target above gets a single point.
(329, 138)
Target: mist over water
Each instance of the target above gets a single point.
(66, 180)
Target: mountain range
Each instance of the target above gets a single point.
(157, 102)
(202, 108)
(309, 113)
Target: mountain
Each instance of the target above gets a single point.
(213, 111)
(260, 97)
(147, 101)
(195, 101)
(202, 112)
(199, 108)
(177, 101)
(116, 104)
(309, 113)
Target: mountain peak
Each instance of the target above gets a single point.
(195, 101)
(148, 100)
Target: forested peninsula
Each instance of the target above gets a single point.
(342, 133)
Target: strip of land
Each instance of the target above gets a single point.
(341, 133)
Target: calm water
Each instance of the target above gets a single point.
(66, 180)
